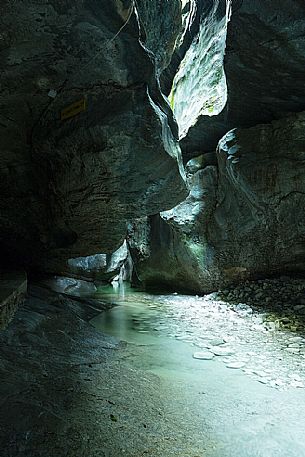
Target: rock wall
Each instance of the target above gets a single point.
(99, 267)
(199, 86)
(244, 216)
(88, 141)
(264, 66)
(13, 288)
(69, 180)
(243, 219)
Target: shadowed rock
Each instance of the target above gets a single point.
(69, 185)
(13, 287)
(244, 221)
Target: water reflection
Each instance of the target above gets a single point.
(246, 417)
(233, 334)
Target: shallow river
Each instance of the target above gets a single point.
(250, 376)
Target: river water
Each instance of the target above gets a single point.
(248, 375)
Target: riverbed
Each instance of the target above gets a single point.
(247, 389)
(115, 375)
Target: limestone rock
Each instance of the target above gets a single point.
(13, 288)
(68, 186)
(199, 87)
(101, 267)
(258, 223)
(170, 249)
(203, 355)
(242, 221)
(263, 62)
(161, 24)
(70, 286)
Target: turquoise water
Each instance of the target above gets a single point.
(245, 417)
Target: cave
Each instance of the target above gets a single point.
(152, 228)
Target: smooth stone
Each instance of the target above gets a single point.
(260, 373)
(185, 338)
(295, 377)
(271, 326)
(263, 380)
(203, 355)
(221, 351)
(297, 384)
(298, 307)
(293, 328)
(235, 365)
(203, 345)
(294, 345)
(296, 339)
(216, 342)
(292, 350)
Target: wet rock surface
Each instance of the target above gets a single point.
(68, 390)
(258, 328)
(100, 267)
(13, 286)
(242, 219)
(69, 184)
(263, 63)
(171, 249)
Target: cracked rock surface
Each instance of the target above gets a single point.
(69, 186)
(242, 219)
(263, 63)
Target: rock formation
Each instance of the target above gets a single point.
(85, 137)
(242, 219)
(89, 142)
(244, 216)
(97, 267)
(264, 66)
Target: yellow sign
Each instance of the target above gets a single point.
(73, 110)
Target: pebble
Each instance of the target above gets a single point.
(298, 307)
(250, 326)
(298, 384)
(271, 326)
(294, 345)
(235, 365)
(203, 355)
(216, 342)
(185, 338)
(296, 339)
(292, 350)
(221, 351)
(295, 377)
(203, 345)
(260, 373)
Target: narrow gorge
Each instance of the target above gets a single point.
(152, 228)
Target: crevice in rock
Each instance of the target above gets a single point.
(199, 86)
